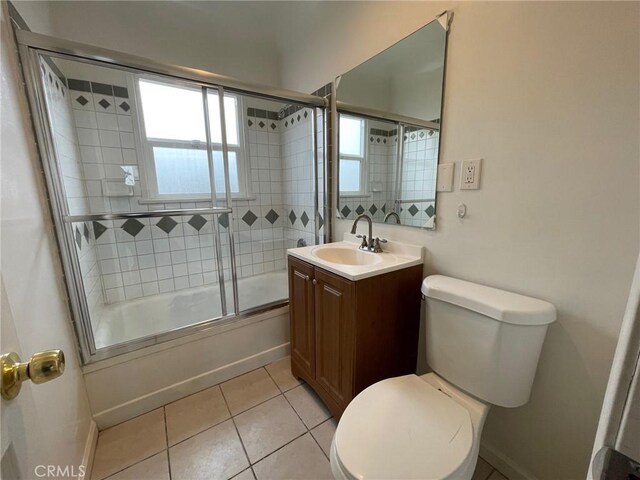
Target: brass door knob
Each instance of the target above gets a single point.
(42, 367)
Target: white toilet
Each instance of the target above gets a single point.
(483, 345)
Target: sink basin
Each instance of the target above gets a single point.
(346, 256)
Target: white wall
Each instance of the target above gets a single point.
(50, 423)
(553, 109)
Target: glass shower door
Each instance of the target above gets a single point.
(138, 198)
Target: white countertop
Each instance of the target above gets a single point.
(395, 256)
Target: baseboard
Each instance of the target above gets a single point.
(158, 398)
(89, 450)
(504, 465)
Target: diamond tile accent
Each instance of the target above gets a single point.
(272, 216)
(166, 224)
(304, 218)
(273, 126)
(320, 221)
(345, 211)
(132, 227)
(261, 124)
(306, 114)
(250, 123)
(413, 210)
(430, 210)
(104, 104)
(78, 238)
(124, 106)
(421, 134)
(98, 229)
(359, 209)
(292, 217)
(85, 232)
(197, 222)
(224, 220)
(384, 208)
(82, 100)
(249, 218)
(373, 209)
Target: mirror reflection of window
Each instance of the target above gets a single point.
(175, 141)
(352, 155)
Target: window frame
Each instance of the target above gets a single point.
(148, 166)
(364, 187)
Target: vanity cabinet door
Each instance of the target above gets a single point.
(301, 313)
(335, 329)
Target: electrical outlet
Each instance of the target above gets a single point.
(470, 177)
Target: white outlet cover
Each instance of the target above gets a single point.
(470, 174)
(444, 182)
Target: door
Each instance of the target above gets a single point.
(301, 312)
(334, 321)
(48, 424)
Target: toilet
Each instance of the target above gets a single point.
(483, 346)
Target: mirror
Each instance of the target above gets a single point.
(395, 95)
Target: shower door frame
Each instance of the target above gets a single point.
(31, 46)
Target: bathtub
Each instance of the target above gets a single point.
(148, 316)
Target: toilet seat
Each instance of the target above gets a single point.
(403, 427)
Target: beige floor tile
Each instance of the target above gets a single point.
(195, 413)
(301, 459)
(154, 468)
(121, 446)
(308, 405)
(214, 453)
(483, 470)
(268, 427)
(496, 475)
(280, 371)
(246, 475)
(323, 434)
(249, 390)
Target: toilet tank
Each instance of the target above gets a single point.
(484, 340)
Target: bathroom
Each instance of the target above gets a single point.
(182, 308)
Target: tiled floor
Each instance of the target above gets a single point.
(261, 425)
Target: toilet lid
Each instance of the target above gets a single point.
(403, 428)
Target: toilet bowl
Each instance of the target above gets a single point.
(483, 345)
(410, 427)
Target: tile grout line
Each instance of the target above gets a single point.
(244, 449)
(166, 434)
(296, 412)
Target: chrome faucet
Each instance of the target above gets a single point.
(392, 214)
(373, 245)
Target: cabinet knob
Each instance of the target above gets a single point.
(315, 281)
(306, 277)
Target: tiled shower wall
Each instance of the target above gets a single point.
(141, 257)
(418, 185)
(66, 144)
(417, 189)
(298, 176)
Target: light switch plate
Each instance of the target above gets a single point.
(444, 182)
(470, 174)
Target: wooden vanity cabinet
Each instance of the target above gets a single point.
(347, 335)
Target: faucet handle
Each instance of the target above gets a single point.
(364, 243)
(376, 246)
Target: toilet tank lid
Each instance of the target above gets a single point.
(501, 305)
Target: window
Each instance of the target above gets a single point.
(177, 166)
(352, 155)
